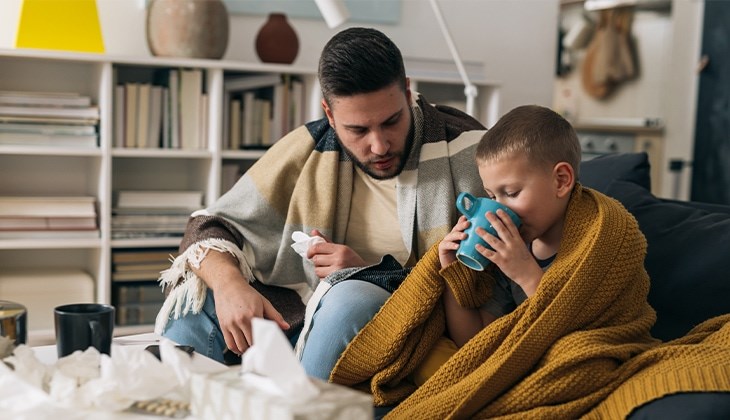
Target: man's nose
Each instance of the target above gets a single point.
(379, 145)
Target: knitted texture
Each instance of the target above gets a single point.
(579, 346)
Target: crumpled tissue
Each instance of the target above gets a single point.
(89, 380)
(302, 242)
(271, 384)
(270, 364)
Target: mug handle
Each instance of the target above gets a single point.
(468, 212)
(96, 337)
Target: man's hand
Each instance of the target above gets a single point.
(329, 257)
(236, 304)
(236, 301)
(450, 243)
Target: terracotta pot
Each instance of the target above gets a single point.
(187, 28)
(277, 42)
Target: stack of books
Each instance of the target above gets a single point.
(48, 119)
(48, 217)
(261, 109)
(135, 293)
(143, 214)
(171, 113)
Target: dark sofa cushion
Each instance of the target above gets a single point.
(688, 258)
(599, 172)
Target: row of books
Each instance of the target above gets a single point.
(171, 113)
(48, 217)
(143, 214)
(261, 109)
(136, 295)
(47, 119)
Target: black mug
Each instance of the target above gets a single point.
(83, 325)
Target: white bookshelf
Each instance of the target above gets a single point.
(100, 171)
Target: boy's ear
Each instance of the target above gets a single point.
(564, 178)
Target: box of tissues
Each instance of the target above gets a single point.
(271, 384)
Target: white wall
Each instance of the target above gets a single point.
(515, 39)
(668, 46)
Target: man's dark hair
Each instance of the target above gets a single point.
(359, 60)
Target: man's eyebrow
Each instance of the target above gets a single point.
(391, 117)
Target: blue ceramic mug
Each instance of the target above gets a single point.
(475, 209)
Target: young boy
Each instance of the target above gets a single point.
(570, 342)
(529, 162)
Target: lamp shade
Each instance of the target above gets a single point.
(335, 12)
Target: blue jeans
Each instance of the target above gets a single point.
(341, 313)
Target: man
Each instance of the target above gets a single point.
(377, 178)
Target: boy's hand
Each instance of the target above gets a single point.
(510, 252)
(450, 243)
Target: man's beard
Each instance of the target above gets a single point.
(401, 157)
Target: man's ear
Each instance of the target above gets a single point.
(564, 179)
(328, 113)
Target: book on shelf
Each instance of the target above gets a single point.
(155, 266)
(135, 293)
(49, 223)
(51, 99)
(204, 109)
(120, 112)
(40, 139)
(145, 275)
(143, 115)
(234, 131)
(49, 234)
(91, 112)
(40, 119)
(191, 87)
(140, 256)
(137, 313)
(131, 91)
(48, 206)
(48, 129)
(174, 86)
(159, 199)
(248, 82)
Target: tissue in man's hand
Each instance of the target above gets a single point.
(272, 385)
(302, 242)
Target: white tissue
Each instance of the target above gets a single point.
(270, 366)
(302, 242)
(89, 380)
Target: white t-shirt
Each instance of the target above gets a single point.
(372, 228)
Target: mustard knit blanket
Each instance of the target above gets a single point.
(579, 347)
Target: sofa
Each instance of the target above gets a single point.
(688, 261)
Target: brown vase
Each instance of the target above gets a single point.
(187, 28)
(277, 42)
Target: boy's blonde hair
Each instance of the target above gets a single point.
(539, 133)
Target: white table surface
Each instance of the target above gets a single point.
(48, 355)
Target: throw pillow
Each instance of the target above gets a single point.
(687, 258)
(598, 172)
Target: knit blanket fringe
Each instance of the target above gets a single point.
(187, 290)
